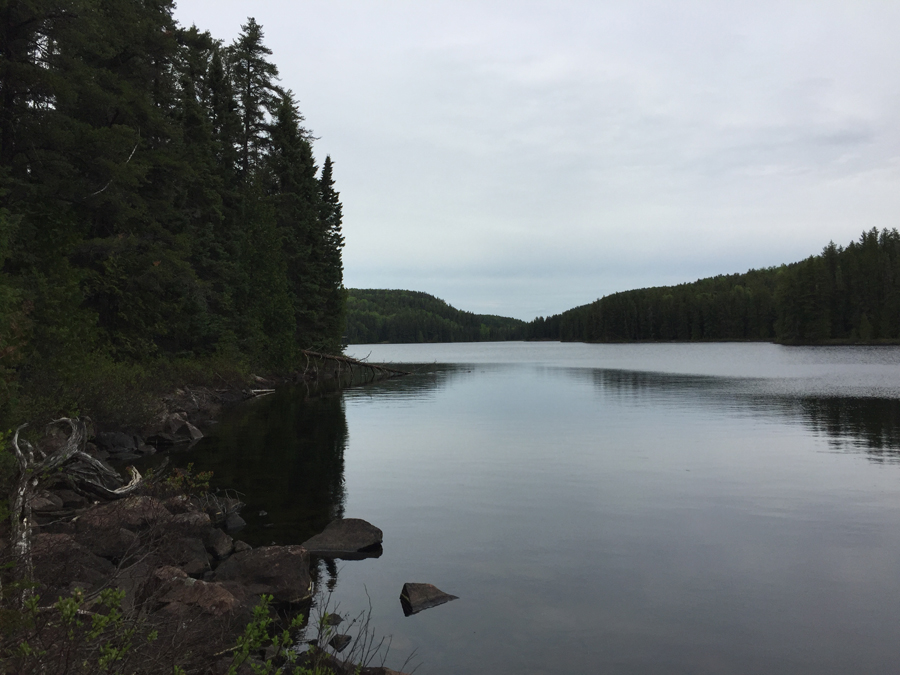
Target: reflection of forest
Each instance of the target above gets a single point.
(868, 424)
(285, 454)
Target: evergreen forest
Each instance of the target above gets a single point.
(843, 295)
(375, 316)
(160, 203)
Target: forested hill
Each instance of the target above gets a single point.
(845, 294)
(408, 316)
(159, 198)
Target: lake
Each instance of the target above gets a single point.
(651, 508)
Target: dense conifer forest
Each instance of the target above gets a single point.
(159, 202)
(408, 316)
(845, 294)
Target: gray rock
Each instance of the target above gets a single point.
(234, 522)
(110, 543)
(164, 439)
(196, 522)
(417, 597)
(340, 642)
(120, 457)
(345, 537)
(190, 431)
(189, 554)
(219, 544)
(71, 499)
(115, 441)
(46, 501)
(242, 547)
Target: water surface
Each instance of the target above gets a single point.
(720, 508)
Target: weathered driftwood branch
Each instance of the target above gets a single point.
(70, 462)
(354, 362)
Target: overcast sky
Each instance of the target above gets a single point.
(523, 157)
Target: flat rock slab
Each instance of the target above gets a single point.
(417, 597)
(346, 538)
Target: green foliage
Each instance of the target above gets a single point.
(258, 635)
(843, 295)
(187, 481)
(74, 636)
(407, 316)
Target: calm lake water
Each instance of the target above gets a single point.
(688, 508)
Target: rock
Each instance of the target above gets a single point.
(332, 619)
(163, 439)
(127, 456)
(417, 597)
(344, 538)
(115, 441)
(132, 513)
(234, 522)
(61, 561)
(192, 521)
(71, 499)
(190, 431)
(212, 598)
(145, 449)
(189, 554)
(113, 543)
(280, 571)
(179, 504)
(218, 543)
(46, 501)
(242, 547)
(340, 642)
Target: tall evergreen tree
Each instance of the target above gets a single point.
(257, 94)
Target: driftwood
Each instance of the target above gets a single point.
(373, 369)
(69, 462)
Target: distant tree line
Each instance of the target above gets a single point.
(159, 197)
(375, 316)
(845, 294)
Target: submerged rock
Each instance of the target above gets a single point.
(346, 538)
(417, 597)
(339, 642)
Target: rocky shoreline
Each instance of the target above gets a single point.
(174, 557)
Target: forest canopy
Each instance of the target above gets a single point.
(159, 199)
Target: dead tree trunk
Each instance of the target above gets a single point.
(74, 464)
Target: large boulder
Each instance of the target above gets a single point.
(346, 538)
(279, 571)
(417, 597)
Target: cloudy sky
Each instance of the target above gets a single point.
(523, 157)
